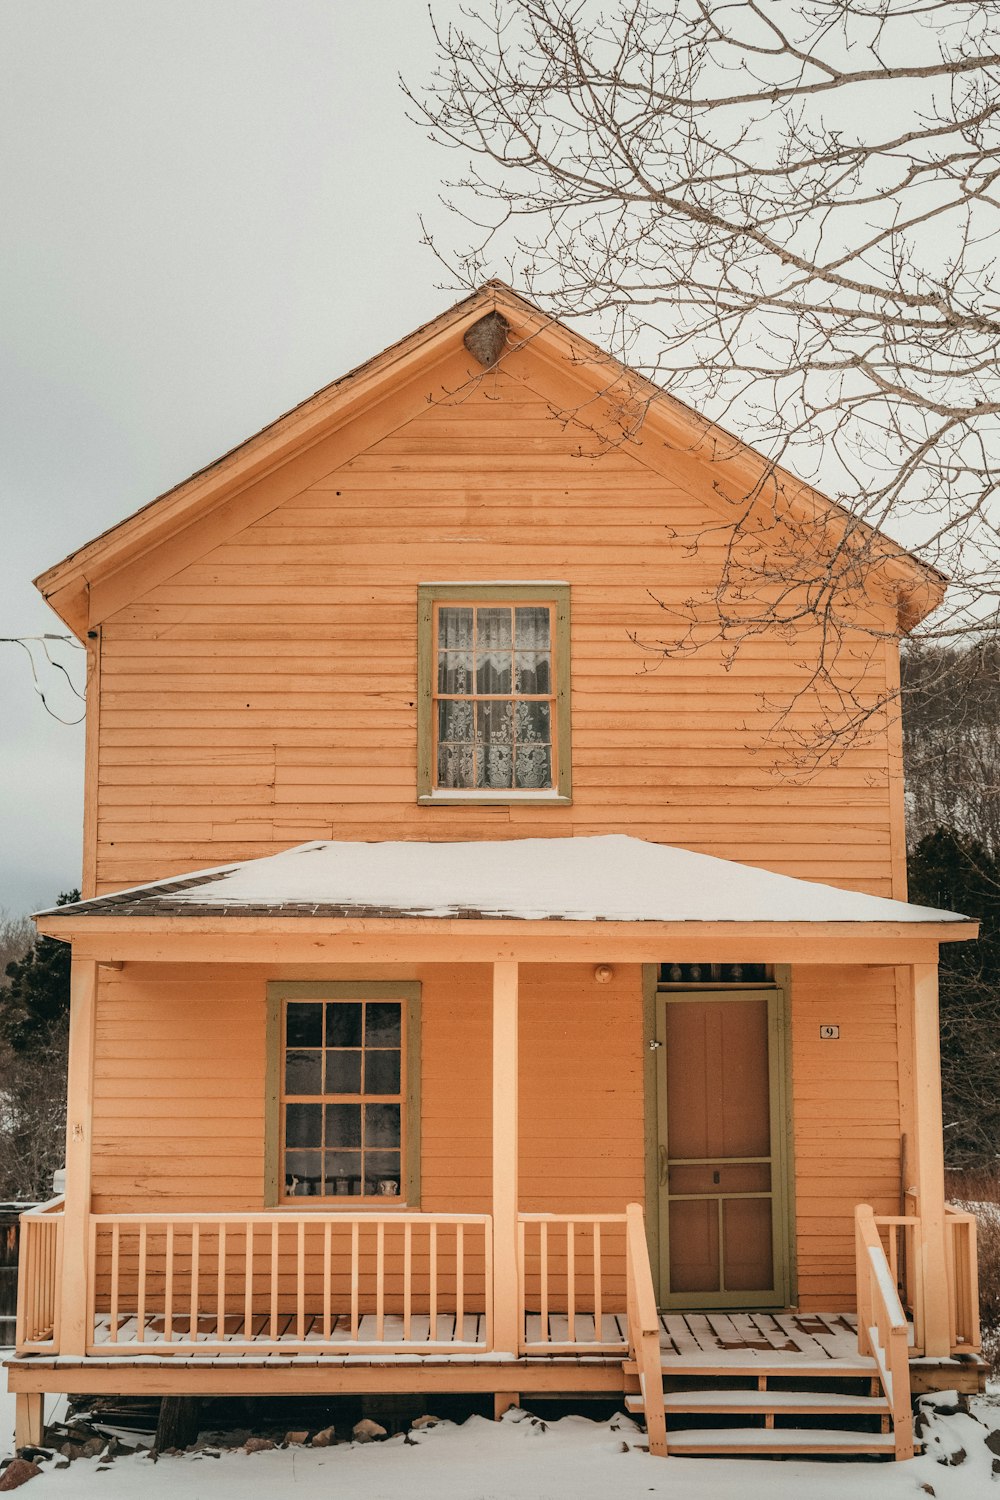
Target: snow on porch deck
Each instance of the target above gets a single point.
(713, 1341)
(727, 1342)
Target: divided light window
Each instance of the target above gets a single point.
(342, 1099)
(494, 692)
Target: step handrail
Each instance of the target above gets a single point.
(644, 1328)
(883, 1330)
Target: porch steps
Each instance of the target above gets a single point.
(804, 1441)
(762, 1403)
(737, 1411)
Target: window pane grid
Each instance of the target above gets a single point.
(494, 703)
(341, 1099)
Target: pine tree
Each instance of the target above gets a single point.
(958, 874)
(34, 1004)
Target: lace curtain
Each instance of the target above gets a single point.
(494, 683)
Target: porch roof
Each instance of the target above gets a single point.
(611, 878)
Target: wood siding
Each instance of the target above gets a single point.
(846, 1102)
(179, 1090)
(266, 694)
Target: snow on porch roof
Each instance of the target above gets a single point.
(613, 878)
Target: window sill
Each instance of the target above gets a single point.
(337, 1205)
(494, 799)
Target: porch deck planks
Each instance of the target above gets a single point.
(472, 1333)
(710, 1341)
(762, 1340)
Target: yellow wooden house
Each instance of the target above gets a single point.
(465, 997)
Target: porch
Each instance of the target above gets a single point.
(535, 1080)
(422, 1285)
(397, 1301)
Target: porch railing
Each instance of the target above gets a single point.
(901, 1234)
(644, 1329)
(222, 1283)
(572, 1282)
(39, 1277)
(883, 1331)
(963, 1279)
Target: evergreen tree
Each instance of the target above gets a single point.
(958, 874)
(34, 1004)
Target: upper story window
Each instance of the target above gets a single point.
(494, 692)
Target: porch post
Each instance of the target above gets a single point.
(72, 1332)
(506, 1332)
(930, 1159)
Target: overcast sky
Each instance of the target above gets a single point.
(208, 209)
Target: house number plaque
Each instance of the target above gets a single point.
(829, 1033)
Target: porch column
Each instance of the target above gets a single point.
(506, 1332)
(930, 1158)
(72, 1331)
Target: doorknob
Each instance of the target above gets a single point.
(663, 1166)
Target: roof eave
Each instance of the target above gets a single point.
(65, 585)
(297, 940)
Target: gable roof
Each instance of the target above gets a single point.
(607, 878)
(97, 578)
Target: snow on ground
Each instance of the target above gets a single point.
(571, 1459)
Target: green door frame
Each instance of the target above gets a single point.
(782, 1176)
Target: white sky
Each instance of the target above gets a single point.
(207, 211)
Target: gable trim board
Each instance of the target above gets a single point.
(186, 521)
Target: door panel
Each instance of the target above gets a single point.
(721, 1149)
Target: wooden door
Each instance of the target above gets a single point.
(721, 1150)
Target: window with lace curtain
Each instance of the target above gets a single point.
(494, 692)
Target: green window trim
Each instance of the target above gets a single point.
(430, 594)
(365, 989)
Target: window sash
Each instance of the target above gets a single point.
(551, 740)
(480, 742)
(407, 1099)
(325, 1150)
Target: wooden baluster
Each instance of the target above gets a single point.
(273, 1310)
(90, 1305)
(327, 1278)
(407, 1281)
(140, 1304)
(43, 1280)
(488, 1285)
(522, 1275)
(195, 1281)
(571, 1281)
(433, 1297)
(543, 1274)
(37, 1242)
(57, 1285)
(598, 1289)
(355, 1241)
(460, 1282)
(248, 1283)
(168, 1287)
(300, 1282)
(34, 1262)
(26, 1286)
(50, 1279)
(220, 1284)
(380, 1281)
(43, 1241)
